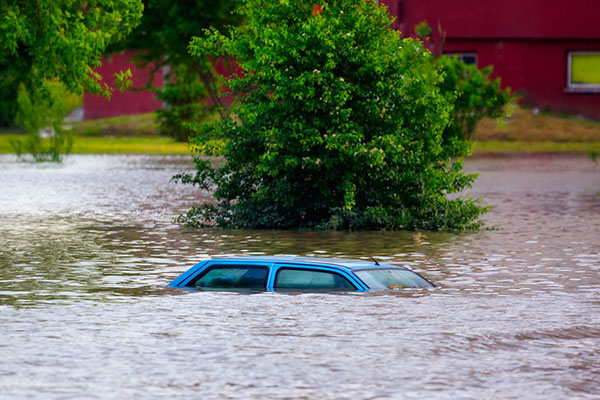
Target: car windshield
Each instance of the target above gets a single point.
(392, 279)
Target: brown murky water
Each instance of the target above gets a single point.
(87, 247)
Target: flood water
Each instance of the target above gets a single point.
(87, 247)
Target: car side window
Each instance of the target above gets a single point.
(306, 279)
(232, 277)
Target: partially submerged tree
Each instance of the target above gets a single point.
(338, 124)
(161, 41)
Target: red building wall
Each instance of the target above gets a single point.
(542, 19)
(526, 41)
(122, 103)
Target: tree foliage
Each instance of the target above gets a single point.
(162, 39)
(472, 90)
(338, 124)
(477, 96)
(48, 39)
(8, 95)
(48, 50)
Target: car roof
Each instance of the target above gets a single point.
(339, 262)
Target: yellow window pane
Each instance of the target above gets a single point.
(585, 69)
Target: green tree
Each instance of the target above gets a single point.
(476, 96)
(338, 124)
(49, 47)
(47, 39)
(162, 39)
(8, 95)
(474, 93)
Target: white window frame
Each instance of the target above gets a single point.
(460, 55)
(580, 87)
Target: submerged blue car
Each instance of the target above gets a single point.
(297, 274)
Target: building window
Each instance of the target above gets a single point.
(583, 72)
(400, 12)
(467, 58)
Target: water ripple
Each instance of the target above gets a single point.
(87, 247)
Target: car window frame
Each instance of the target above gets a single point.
(181, 281)
(358, 285)
(211, 266)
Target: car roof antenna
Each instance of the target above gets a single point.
(374, 260)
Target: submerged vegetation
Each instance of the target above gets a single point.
(338, 124)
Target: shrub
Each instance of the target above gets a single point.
(182, 105)
(475, 96)
(337, 125)
(44, 109)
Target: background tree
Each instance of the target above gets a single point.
(8, 96)
(472, 90)
(338, 124)
(61, 40)
(162, 39)
(48, 50)
(44, 112)
(475, 95)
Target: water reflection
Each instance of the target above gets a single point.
(87, 247)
